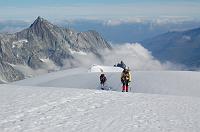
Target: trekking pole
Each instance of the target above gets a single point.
(130, 88)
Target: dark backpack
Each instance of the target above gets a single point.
(103, 78)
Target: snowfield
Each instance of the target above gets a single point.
(70, 101)
(181, 83)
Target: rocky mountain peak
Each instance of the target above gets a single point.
(46, 46)
(43, 28)
(40, 22)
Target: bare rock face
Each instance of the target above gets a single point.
(8, 73)
(44, 40)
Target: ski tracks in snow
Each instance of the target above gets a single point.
(30, 109)
(50, 108)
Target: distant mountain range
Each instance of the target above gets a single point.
(178, 47)
(42, 43)
(122, 32)
(115, 31)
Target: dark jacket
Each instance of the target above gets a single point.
(103, 78)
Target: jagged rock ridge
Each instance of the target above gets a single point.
(43, 40)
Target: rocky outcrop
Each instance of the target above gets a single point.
(43, 40)
(8, 73)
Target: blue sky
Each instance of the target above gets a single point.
(98, 9)
(61, 2)
(72, 2)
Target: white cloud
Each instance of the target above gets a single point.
(134, 55)
(29, 72)
(116, 22)
(81, 60)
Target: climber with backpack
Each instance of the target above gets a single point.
(102, 80)
(125, 79)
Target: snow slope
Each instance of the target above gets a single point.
(42, 109)
(70, 101)
(184, 83)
